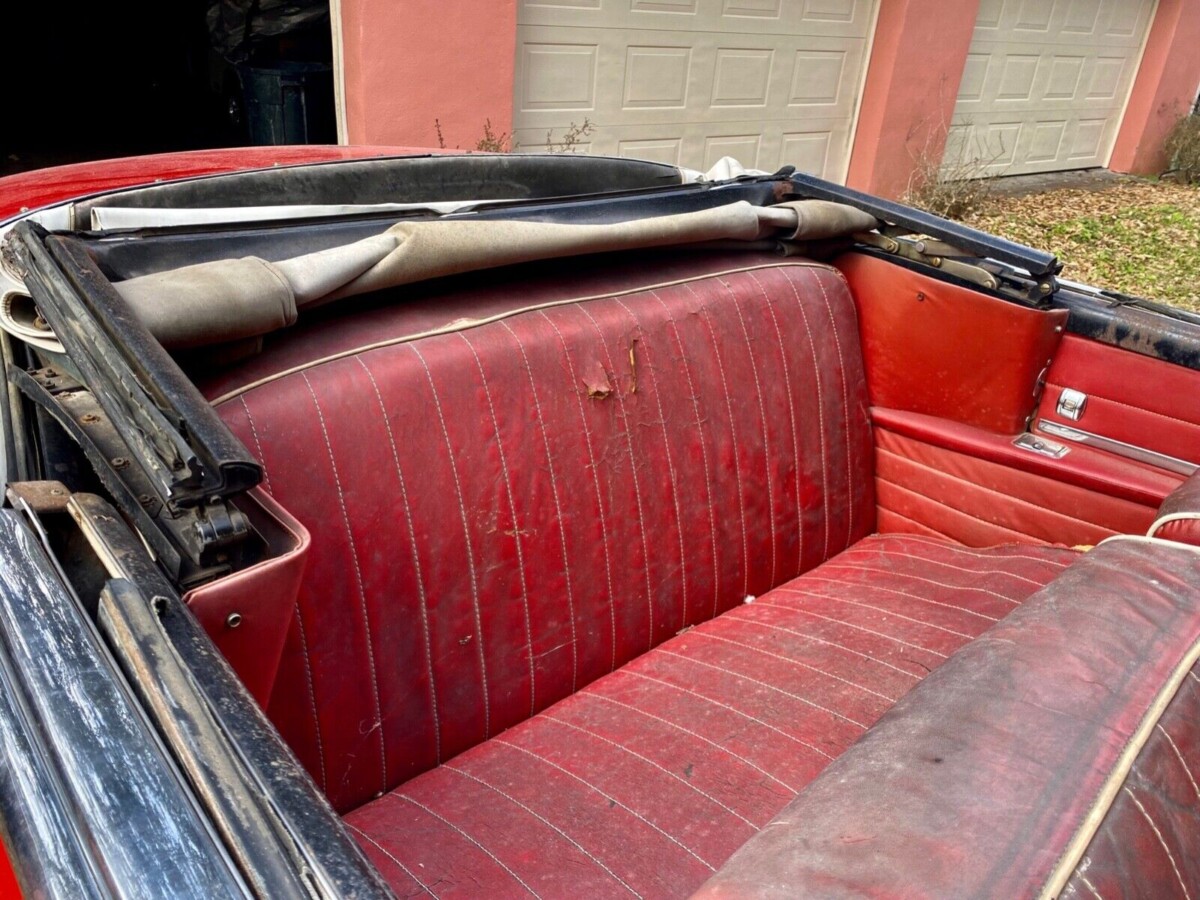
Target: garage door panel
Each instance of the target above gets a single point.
(807, 145)
(1045, 84)
(753, 79)
(819, 18)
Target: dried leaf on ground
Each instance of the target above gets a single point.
(1137, 237)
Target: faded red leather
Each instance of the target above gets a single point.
(977, 781)
(1082, 466)
(262, 596)
(924, 488)
(648, 779)
(1131, 398)
(504, 514)
(1149, 843)
(943, 350)
(1179, 515)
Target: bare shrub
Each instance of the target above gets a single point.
(572, 137)
(1182, 147)
(952, 190)
(492, 142)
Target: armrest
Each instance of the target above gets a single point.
(1020, 757)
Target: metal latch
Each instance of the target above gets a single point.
(1071, 404)
(1043, 446)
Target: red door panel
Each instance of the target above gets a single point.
(1131, 398)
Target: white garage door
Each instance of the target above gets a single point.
(1045, 83)
(770, 82)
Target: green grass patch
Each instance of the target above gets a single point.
(1140, 238)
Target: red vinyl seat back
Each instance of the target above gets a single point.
(503, 514)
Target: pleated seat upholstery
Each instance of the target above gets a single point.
(592, 593)
(646, 781)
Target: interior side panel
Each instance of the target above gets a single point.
(943, 350)
(926, 489)
(954, 378)
(1130, 398)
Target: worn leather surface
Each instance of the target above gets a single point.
(977, 781)
(504, 514)
(1183, 502)
(927, 489)
(1149, 843)
(262, 596)
(1131, 398)
(1082, 466)
(645, 781)
(943, 350)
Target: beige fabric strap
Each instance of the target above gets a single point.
(228, 300)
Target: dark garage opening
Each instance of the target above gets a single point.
(100, 80)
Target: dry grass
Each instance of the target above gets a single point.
(1183, 149)
(1137, 237)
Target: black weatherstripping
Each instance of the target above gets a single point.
(97, 802)
(406, 179)
(279, 828)
(189, 455)
(1041, 265)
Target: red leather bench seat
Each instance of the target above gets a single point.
(522, 657)
(646, 781)
(504, 513)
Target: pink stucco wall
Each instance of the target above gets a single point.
(912, 82)
(408, 62)
(1164, 89)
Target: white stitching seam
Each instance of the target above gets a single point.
(918, 598)
(312, 699)
(512, 508)
(762, 417)
(795, 662)
(421, 806)
(891, 612)
(808, 612)
(425, 889)
(257, 446)
(732, 709)
(562, 528)
(637, 490)
(770, 687)
(462, 510)
(662, 419)
(613, 800)
(1091, 887)
(652, 763)
(820, 416)
(1161, 840)
(416, 558)
(377, 725)
(587, 436)
(959, 550)
(747, 620)
(547, 823)
(712, 515)
(791, 408)
(699, 737)
(837, 564)
(1179, 756)
(737, 468)
(843, 376)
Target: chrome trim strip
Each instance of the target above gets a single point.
(1120, 448)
